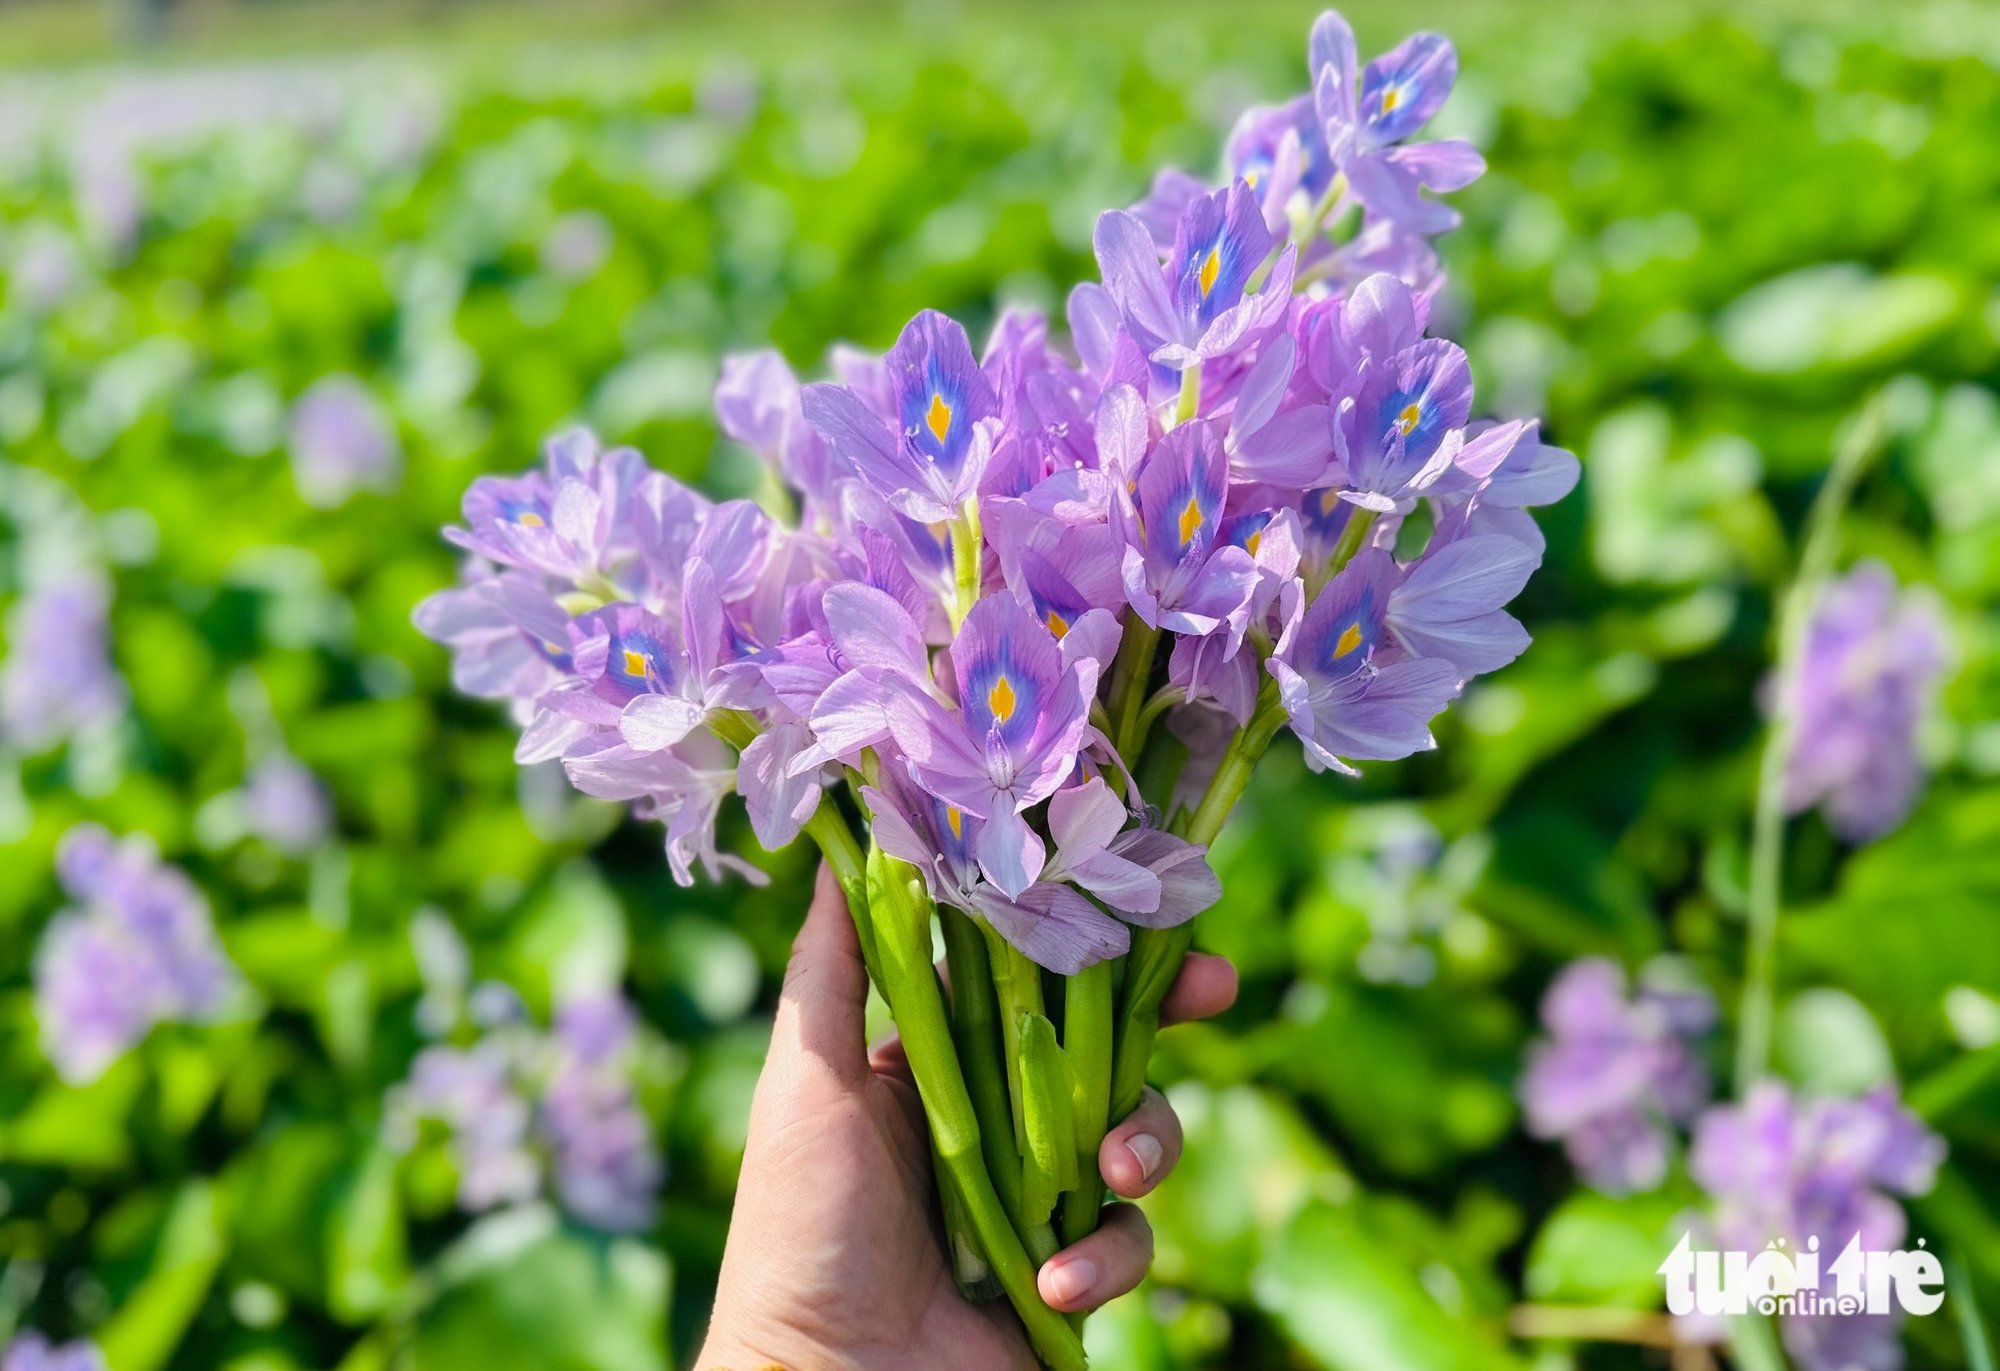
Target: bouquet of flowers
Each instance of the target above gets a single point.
(1010, 631)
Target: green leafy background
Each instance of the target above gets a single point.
(1705, 237)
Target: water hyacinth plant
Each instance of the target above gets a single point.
(1012, 632)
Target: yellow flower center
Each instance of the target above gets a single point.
(1253, 542)
(635, 663)
(530, 519)
(1328, 498)
(1211, 268)
(1190, 521)
(1349, 640)
(1407, 420)
(956, 819)
(938, 419)
(1057, 624)
(1000, 701)
(1391, 98)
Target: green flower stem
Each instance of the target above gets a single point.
(1087, 1018)
(967, 547)
(1189, 403)
(975, 1025)
(1131, 670)
(1157, 953)
(1017, 986)
(1302, 235)
(836, 843)
(969, 1266)
(1351, 538)
(901, 912)
(1821, 539)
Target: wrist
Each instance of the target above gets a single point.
(732, 1345)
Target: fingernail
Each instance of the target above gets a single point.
(1145, 1150)
(1071, 1281)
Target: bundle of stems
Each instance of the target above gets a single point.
(1022, 1071)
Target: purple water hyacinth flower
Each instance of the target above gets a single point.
(510, 640)
(33, 1352)
(1219, 671)
(1404, 425)
(1502, 471)
(57, 680)
(1178, 572)
(474, 1094)
(569, 520)
(605, 1162)
(682, 787)
(1781, 1166)
(1367, 123)
(831, 682)
(1274, 445)
(1195, 307)
(1021, 718)
(1149, 876)
(1617, 1072)
(286, 805)
(342, 441)
(1050, 922)
(1341, 700)
(1338, 335)
(651, 681)
(136, 949)
(1870, 671)
(1447, 603)
(1279, 151)
(757, 404)
(927, 448)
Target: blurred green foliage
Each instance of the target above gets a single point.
(1696, 251)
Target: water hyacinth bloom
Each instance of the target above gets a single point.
(522, 1108)
(1617, 1072)
(1346, 692)
(1020, 720)
(1872, 662)
(286, 805)
(572, 519)
(605, 1163)
(33, 1352)
(1784, 1166)
(1403, 425)
(472, 1095)
(926, 451)
(136, 949)
(1052, 923)
(342, 441)
(1367, 123)
(57, 680)
(1177, 572)
(1195, 308)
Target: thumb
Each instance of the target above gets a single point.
(822, 1011)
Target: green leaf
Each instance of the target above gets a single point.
(366, 1261)
(149, 1325)
(1351, 1306)
(525, 1294)
(1600, 1249)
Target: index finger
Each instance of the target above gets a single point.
(1205, 987)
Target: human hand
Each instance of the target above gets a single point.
(836, 1254)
